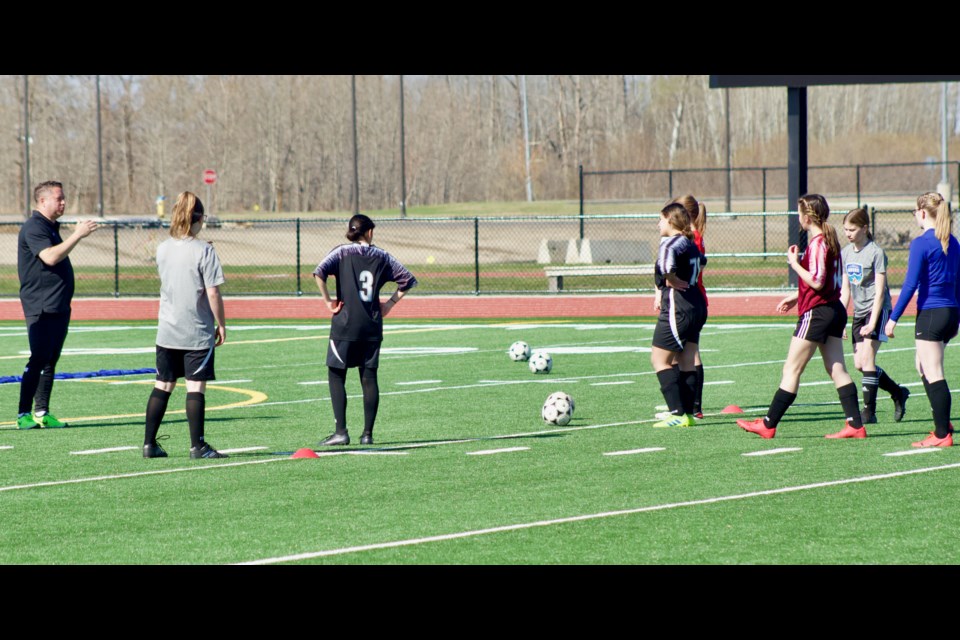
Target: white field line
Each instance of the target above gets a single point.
(227, 381)
(592, 516)
(367, 452)
(487, 452)
(814, 384)
(602, 384)
(6, 446)
(313, 382)
(770, 452)
(418, 382)
(719, 382)
(912, 452)
(89, 452)
(242, 449)
(630, 452)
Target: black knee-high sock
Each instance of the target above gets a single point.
(196, 407)
(156, 408)
(781, 402)
(887, 383)
(698, 393)
(939, 394)
(338, 397)
(688, 390)
(670, 388)
(371, 398)
(849, 402)
(870, 384)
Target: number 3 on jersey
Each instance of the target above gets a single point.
(366, 286)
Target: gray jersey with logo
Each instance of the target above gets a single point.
(861, 268)
(188, 267)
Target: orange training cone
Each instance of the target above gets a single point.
(732, 408)
(305, 453)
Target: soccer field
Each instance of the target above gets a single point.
(464, 470)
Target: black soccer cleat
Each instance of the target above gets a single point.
(206, 451)
(900, 404)
(867, 416)
(336, 439)
(153, 451)
(366, 438)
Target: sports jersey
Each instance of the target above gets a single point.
(43, 289)
(361, 271)
(935, 273)
(862, 268)
(698, 240)
(679, 255)
(827, 271)
(187, 267)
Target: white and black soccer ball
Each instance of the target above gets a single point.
(540, 362)
(556, 410)
(519, 351)
(564, 396)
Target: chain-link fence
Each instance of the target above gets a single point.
(457, 255)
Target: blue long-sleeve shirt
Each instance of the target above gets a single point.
(935, 273)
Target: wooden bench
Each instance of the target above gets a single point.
(555, 275)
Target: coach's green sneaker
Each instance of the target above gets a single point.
(49, 421)
(26, 421)
(685, 420)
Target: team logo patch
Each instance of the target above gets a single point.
(855, 273)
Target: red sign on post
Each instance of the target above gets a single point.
(209, 176)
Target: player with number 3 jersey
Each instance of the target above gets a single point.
(356, 329)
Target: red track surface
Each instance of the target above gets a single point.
(439, 307)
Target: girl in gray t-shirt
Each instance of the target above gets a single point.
(865, 267)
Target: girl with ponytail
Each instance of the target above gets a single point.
(933, 268)
(821, 324)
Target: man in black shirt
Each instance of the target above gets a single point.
(46, 288)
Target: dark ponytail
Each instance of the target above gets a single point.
(359, 225)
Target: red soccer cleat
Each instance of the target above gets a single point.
(849, 432)
(933, 441)
(758, 427)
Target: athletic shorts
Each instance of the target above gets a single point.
(937, 325)
(173, 364)
(345, 354)
(676, 327)
(822, 322)
(877, 334)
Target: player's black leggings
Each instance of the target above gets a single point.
(337, 379)
(46, 333)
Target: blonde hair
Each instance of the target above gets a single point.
(696, 210)
(187, 210)
(939, 209)
(860, 218)
(815, 207)
(676, 214)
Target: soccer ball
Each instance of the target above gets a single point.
(540, 362)
(519, 351)
(556, 410)
(565, 397)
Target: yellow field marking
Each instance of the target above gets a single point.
(253, 397)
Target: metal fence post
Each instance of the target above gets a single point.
(116, 261)
(763, 172)
(299, 287)
(873, 222)
(858, 185)
(581, 202)
(670, 183)
(476, 253)
(764, 234)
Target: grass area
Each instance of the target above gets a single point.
(449, 390)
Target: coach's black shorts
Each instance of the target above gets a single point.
(822, 322)
(345, 354)
(937, 325)
(676, 327)
(173, 364)
(877, 334)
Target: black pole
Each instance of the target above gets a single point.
(99, 156)
(356, 171)
(403, 163)
(299, 286)
(116, 260)
(580, 170)
(796, 166)
(670, 183)
(726, 110)
(476, 252)
(26, 147)
(763, 173)
(858, 185)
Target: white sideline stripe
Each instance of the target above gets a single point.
(601, 384)
(770, 452)
(7, 446)
(119, 476)
(376, 453)
(107, 450)
(134, 381)
(227, 381)
(592, 516)
(718, 382)
(242, 449)
(314, 382)
(419, 382)
(487, 452)
(633, 451)
(911, 452)
(813, 384)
